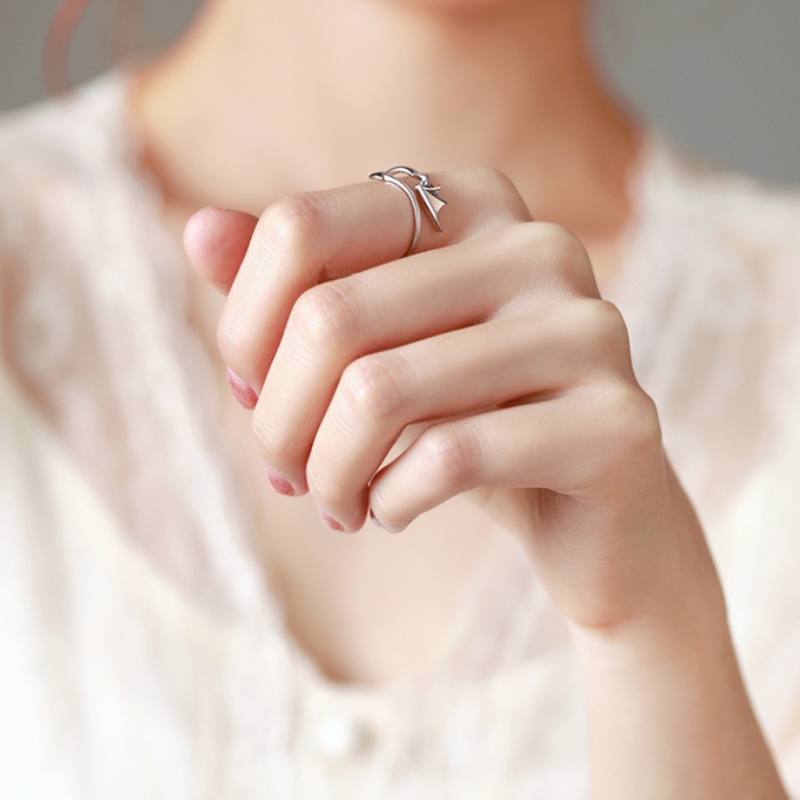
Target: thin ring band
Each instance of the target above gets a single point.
(423, 190)
(385, 176)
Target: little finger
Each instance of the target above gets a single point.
(573, 445)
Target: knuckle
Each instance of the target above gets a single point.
(644, 428)
(450, 456)
(375, 386)
(567, 253)
(601, 326)
(326, 316)
(559, 239)
(294, 220)
(631, 421)
(499, 193)
(552, 253)
(492, 181)
(568, 245)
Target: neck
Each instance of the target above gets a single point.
(276, 96)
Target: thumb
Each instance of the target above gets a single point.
(215, 241)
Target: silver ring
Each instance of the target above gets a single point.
(422, 190)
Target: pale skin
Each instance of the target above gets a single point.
(494, 333)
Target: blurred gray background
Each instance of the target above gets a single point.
(721, 77)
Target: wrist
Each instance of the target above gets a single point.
(677, 600)
(668, 713)
(688, 617)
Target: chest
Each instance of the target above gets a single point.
(369, 607)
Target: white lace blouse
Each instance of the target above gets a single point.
(142, 651)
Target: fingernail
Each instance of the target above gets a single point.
(241, 391)
(375, 521)
(329, 520)
(280, 485)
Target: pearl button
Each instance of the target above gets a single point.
(340, 736)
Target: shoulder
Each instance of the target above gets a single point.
(742, 257)
(53, 156)
(64, 131)
(724, 215)
(711, 299)
(716, 257)
(68, 189)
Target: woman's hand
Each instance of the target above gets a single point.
(495, 337)
(492, 355)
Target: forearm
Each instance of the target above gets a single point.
(669, 717)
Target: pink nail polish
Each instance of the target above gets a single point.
(241, 391)
(280, 485)
(330, 521)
